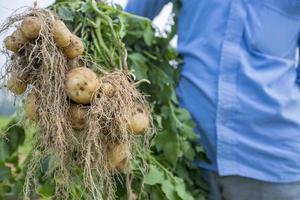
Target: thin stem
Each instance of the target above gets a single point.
(117, 40)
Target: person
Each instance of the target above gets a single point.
(240, 82)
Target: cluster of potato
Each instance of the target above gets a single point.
(80, 84)
(30, 29)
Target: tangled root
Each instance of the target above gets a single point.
(113, 104)
(98, 152)
(42, 64)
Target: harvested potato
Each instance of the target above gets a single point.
(138, 122)
(61, 34)
(16, 41)
(75, 47)
(108, 89)
(80, 84)
(118, 157)
(10, 44)
(16, 84)
(31, 27)
(77, 116)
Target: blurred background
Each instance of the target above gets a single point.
(7, 103)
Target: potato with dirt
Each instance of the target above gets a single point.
(108, 89)
(75, 48)
(118, 157)
(16, 41)
(80, 85)
(138, 122)
(77, 116)
(16, 84)
(31, 27)
(61, 34)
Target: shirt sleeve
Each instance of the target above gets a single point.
(298, 66)
(145, 8)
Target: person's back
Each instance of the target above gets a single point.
(239, 82)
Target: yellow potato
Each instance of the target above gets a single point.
(80, 85)
(75, 48)
(31, 27)
(10, 44)
(16, 85)
(15, 42)
(61, 34)
(77, 116)
(108, 89)
(118, 157)
(138, 123)
(31, 107)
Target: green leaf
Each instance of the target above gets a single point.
(189, 153)
(181, 190)
(6, 188)
(158, 121)
(15, 137)
(137, 62)
(4, 150)
(167, 93)
(167, 142)
(148, 35)
(153, 192)
(5, 173)
(169, 190)
(65, 13)
(154, 176)
(182, 172)
(46, 191)
(182, 114)
(188, 132)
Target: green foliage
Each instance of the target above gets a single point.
(107, 31)
(11, 177)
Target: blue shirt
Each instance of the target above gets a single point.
(239, 82)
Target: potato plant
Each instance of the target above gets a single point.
(175, 148)
(171, 172)
(86, 120)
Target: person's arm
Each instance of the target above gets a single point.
(145, 8)
(298, 67)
